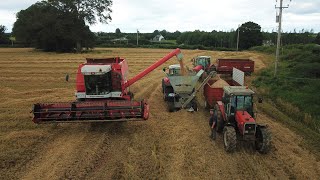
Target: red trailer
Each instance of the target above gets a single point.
(214, 93)
(225, 66)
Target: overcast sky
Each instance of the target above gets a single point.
(190, 15)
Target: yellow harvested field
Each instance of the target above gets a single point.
(167, 146)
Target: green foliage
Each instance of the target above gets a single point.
(297, 82)
(59, 25)
(118, 31)
(87, 10)
(297, 38)
(217, 40)
(208, 39)
(4, 39)
(317, 40)
(250, 35)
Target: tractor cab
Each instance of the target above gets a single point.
(174, 70)
(204, 61)
(238, 99)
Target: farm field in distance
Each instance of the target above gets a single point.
(167, 146)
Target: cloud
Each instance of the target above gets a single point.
(305, 7)
(190, 15)
(13, 5)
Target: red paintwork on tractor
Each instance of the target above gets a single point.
(243, 117)
(112, 104)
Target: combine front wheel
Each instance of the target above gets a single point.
(263, 140)
(229, 138)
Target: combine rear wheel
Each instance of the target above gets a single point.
(263, 140)
(229, 138)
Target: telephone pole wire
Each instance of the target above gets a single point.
(279, 19)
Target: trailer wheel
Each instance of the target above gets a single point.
(263, 140)
(220, 122)
(229, 138)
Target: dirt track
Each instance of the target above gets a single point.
(167, 146)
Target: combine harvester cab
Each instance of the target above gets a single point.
(102, 94)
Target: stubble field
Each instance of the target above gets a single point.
(167, 146)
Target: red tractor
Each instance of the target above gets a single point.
(102, 94)
(234, 117)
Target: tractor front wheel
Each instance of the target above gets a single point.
(229, 138)
(263, 140)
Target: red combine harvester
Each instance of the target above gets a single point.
(102, 94)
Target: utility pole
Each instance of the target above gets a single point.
(137, 37)
(238, 38)
(279, 19)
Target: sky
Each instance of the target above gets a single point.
(190, 15)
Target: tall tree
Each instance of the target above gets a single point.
(60, 25)
(87, 10)
(118, 32)
(2, 34)
(250, 35)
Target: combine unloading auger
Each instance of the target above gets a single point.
(102, 94)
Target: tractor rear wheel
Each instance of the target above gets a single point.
(263, 140)
(171, 107)
(229, 138)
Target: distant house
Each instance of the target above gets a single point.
(120, 40)
(158, 38)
